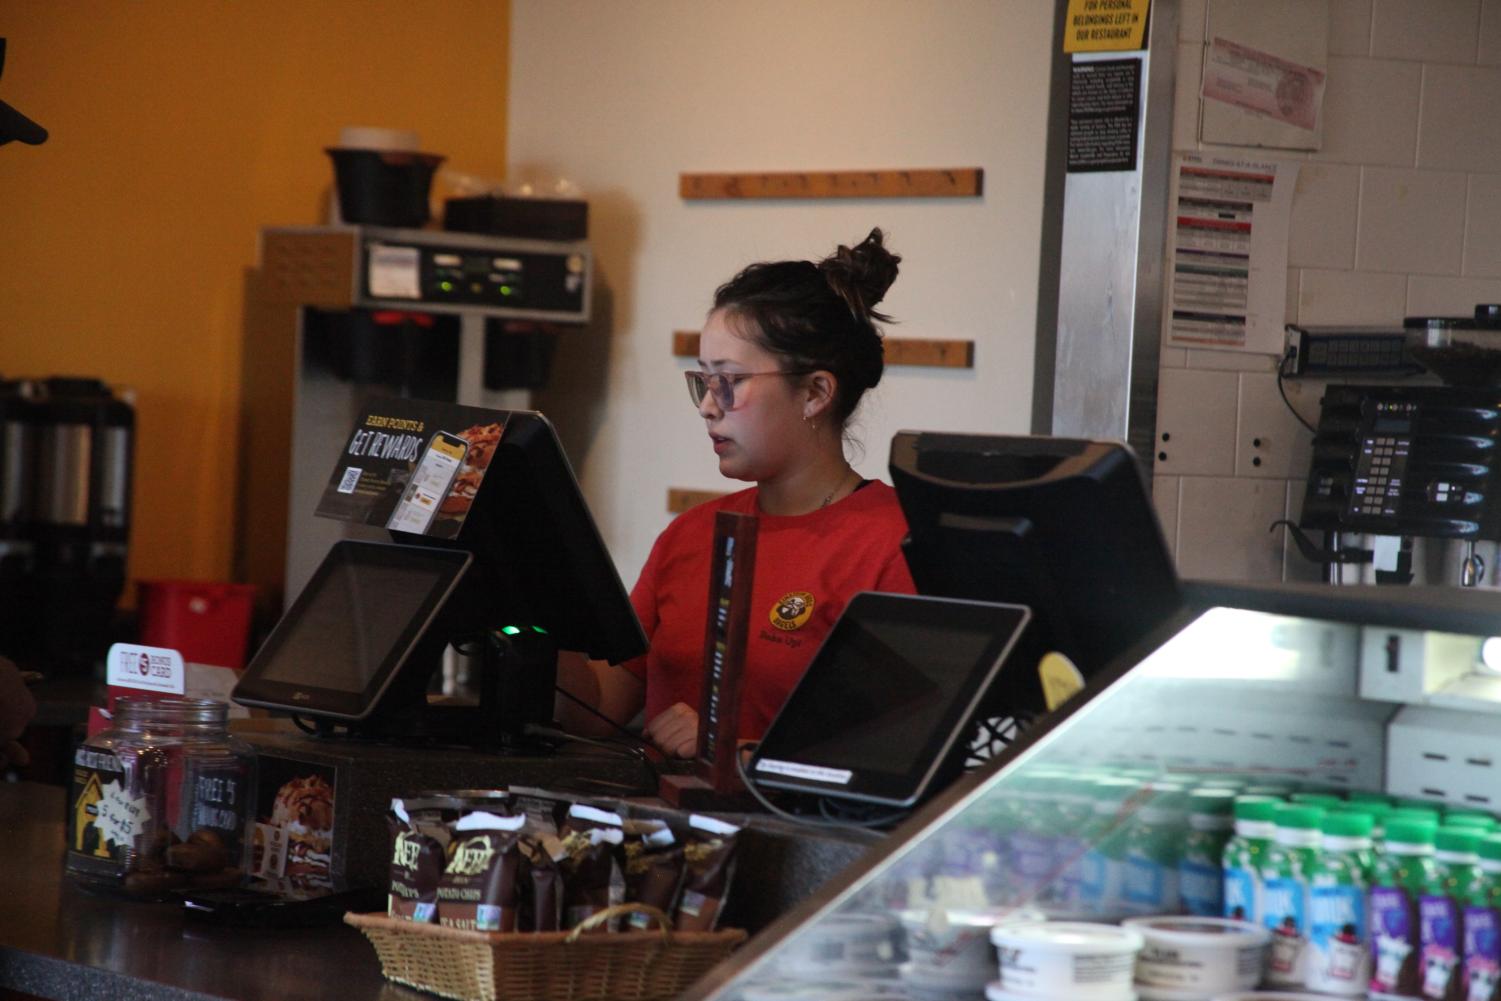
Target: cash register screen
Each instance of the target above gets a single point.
(351, 628)
(887, 696)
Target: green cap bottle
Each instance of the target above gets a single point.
(1456, 863)
(1285, 873)
(1254, 830)
(1339, 948)
(1201, 876)
(1403, 871)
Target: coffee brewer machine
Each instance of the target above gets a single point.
(336, 315)
(65, 477)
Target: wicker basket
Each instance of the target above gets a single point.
(546, 966)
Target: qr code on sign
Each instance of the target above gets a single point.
(350, 481)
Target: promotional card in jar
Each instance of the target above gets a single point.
(412, 466)
(137, 672)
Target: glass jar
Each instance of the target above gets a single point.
(161, 800)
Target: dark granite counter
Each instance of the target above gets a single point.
(61, 943)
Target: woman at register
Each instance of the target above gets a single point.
(784, 358)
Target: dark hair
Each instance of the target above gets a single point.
(820, 316)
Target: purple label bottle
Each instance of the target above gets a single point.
(1481, 970)
(1441, 936)
(1402, 874)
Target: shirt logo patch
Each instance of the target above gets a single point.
(792, 611)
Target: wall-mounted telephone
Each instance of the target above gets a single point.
(1408, 461)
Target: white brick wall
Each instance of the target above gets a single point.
(1399, 213)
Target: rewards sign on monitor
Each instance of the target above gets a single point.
(412, 466)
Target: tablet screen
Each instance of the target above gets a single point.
(351, 628)
(887, 695)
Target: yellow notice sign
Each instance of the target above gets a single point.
(1105, 25)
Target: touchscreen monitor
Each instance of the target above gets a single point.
(1064, 526)
(539, 557)
(346, 637)
(889, 694)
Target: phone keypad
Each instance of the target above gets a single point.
(1378, 476)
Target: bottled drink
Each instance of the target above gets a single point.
(1441, 910)
(1470, 818)
(1340, 958)
(1244, 851)
(1201, 872)
(1403, 872)
(1285, 871)
(1322, 800)
(1482, 925)
(1100, 876)
(1029, 848)
(1152, 851)
(1073, 811)
(1366, 796)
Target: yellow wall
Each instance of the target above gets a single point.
(178, 128)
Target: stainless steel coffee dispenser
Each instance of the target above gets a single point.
(66, 459)
(336, 315)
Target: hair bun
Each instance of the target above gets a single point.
(861, 275)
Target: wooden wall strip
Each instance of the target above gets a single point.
(680, 499)
(935, 354)
(952, 182)
(899, 351)
(685, 343)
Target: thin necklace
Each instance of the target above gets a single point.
(829, 498)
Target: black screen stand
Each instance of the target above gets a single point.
(517, 680)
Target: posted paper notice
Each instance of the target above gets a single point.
(1227, 252)
(1261, 82)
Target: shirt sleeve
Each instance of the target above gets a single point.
(644, 600)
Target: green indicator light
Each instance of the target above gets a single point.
(446, 286)
(539, 629)
(505, 290)
(510, 630)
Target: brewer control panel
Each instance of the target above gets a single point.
(431, 270)
(1416, 461)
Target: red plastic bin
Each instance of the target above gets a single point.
(207, 622)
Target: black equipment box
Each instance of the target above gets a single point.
(533, 218)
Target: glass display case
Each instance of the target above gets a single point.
(1118, 806)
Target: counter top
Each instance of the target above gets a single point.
(59, 942)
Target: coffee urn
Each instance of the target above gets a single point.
(65, 479)
(17, 475)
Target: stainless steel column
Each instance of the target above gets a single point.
(1104, 378)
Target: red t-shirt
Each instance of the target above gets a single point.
(808, 566)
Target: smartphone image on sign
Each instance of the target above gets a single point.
(429, 484)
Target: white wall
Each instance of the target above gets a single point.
(622, 96)
(1397, 215)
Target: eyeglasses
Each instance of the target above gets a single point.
(722, 385)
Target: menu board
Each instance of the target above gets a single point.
(413, 466)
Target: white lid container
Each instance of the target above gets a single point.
(840, 989)
(388, 140)
(1145, 993)
(859, 945)
(949, 939)
(926, 983)
(1067, 959)
(1202, 955)
(995, 992)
